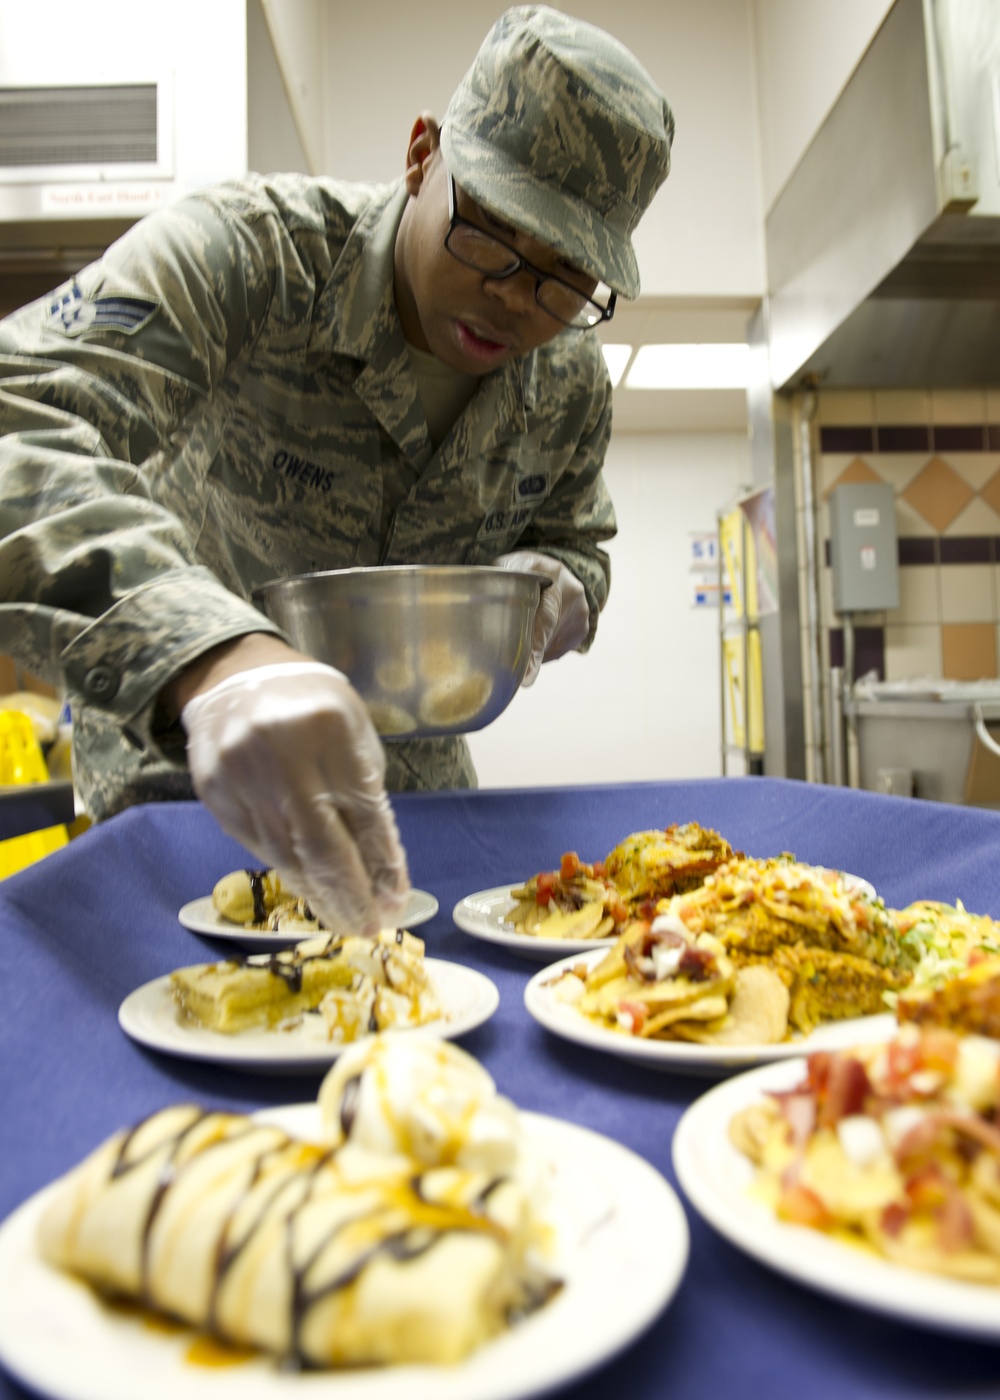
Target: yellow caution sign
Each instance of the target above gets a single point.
(21, 762)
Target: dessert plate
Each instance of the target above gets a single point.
(484, 915)
(201, 916)
(57, 1337)
(149, 1016)
(717, 1180)
(680, 1056)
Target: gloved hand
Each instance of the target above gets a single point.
(287, 759)
(563, 617)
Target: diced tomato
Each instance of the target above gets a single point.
(901, 1061)
(818, 1071)
(801, 1206)
(847, 1088)
(927, 1189)
(570, 865)
(894, 1218)
(615, 906)
(799, 1112)
(547, 882)
(956, 1229)
(938, 1048)
(599, 871)
(639, 1013)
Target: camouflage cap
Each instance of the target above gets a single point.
(558, 129)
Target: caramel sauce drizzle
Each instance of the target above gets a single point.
(429, 1221)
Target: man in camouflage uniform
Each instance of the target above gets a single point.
(291, 374)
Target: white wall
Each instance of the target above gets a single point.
(704, 232)
(643, 703)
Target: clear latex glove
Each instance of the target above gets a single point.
(563, 617)
(287, 760)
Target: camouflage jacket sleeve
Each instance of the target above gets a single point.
(101, 588)
(227, 398)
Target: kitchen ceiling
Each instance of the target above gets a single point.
(679, 321)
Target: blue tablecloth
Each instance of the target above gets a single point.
(88, 924)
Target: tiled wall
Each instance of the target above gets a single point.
(940, 453)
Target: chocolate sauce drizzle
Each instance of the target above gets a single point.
(256, 878)
(288, 965)
(401, 1245)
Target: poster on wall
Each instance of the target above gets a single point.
(759, 511)
(703, 563)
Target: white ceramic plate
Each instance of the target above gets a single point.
(717, 1178)
(149, 1016)
(201, 916)
(677, 1055)
(57, 1337)
(484, 915)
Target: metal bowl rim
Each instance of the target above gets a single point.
(276, 585)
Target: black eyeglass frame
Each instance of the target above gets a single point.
(521, 264)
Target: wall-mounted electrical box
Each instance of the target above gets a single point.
(863, 549)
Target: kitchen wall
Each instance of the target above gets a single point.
(940, 452)
(643, 703)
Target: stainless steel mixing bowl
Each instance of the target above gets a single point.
(430, 649)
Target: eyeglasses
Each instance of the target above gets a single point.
(479, 250)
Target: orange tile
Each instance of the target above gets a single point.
(854, 472)
(991, 492)
(968, 651)
(938, 493)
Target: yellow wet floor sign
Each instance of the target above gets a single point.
(21, 762)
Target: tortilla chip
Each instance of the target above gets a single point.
(659, 997)
(712, 1008)
(758, 1011)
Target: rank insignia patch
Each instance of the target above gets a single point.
(70, 313)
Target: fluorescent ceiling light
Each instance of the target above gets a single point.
(616, 357)
(690, 367)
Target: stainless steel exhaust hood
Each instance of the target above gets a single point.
(883, 248)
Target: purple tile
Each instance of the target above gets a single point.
(966, 549)
(906, 437)
(869, 650)
(993, 437)
(960, 437)
(917, 549)
(832, 439)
